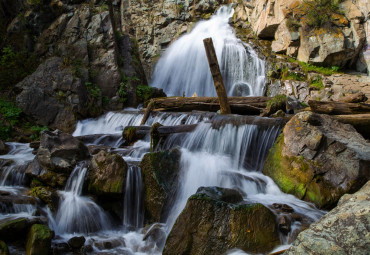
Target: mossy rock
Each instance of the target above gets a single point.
(206, 226)
(39, 240)
(4, 248)
(107, 175)
(160, 170)
(46, 195)
(14, 229)
(53, 179)
(318, 159)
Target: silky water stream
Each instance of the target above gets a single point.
(221, 151)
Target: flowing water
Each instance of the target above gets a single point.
(184, 66)
(222, 151)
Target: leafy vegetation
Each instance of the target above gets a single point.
(36, 130)
(276, 100)
(14, 66)
(319, 69)
(9, 117)
(286, 75)
(316, 82)
(293, 24)
(144, 92)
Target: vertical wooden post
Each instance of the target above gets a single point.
(217, 77)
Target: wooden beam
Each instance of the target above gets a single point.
(338, 108)
(217, 77)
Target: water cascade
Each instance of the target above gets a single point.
(133, 214)
(184, 68)
(78, 214)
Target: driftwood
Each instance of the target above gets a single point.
(217, 77)
(238, 105)
(361, 122)
(354, 98)
(338, 108)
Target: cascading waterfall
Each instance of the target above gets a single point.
(217, 157)
(78, 214)
(184, 68)
(133, 214)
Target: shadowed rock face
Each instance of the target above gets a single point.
(211, 224)
(160, 175)
(344, 230)
(319, 159)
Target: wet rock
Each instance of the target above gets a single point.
(284, 224)
(344, 230)
(220, 194)
(39, 240)
(208, 226)
(156, 234)
(107, 175)
(318, 159)
(12, 229)
(60, 151)
(160, 173)
(3, 148)
(282, 208)
(60, 248)
(48, 196)
(4, 248)
(76, 242)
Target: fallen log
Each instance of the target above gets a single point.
(338, 108)
(361, 122)
(354, 98)
(238, 105)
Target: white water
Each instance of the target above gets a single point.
(184, 67)
(78, 214)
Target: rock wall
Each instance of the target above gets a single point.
(343, 42)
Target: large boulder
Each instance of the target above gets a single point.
(53, 96)
(39, 240)
(208, 225)
(60, 152)
(160, 174)
(344, 230)
(107, 175)
(318, 159)
(13, 228)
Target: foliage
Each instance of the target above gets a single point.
(316, 82)
(319, 69)
(14, 66)
(278, 99)
(318, 13)
(9, 112)
(37, 131)
(125, 86)
(93, 90)
(4, 131)
(292, 24)
(286, 75)
(144, 92)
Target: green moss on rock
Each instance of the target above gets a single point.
(39, 240)
(4, 248)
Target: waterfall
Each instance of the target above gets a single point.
(230, 156)
(183, 68)
(14, 164)
(78, 214)
(133, 214)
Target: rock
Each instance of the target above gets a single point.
(344, 230)
(59, 152)
(12, 229)
(4, 248)
(156, 233)
(293, 104)
(160, 173)
(76, 242)
(318, 159)
(3, 148)
(48, 196)
(221, 194)
(39, 240)
(285, 39)
(43, 96)
(208, 226)
(107, 175)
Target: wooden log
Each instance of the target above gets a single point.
(361, 122)
(147, 112)
(338, 108)
(354, 98)
(238, 105)
(217, 77)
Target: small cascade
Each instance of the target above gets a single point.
(78, 214)
(133, 214)
(14, 164)
(184, 67)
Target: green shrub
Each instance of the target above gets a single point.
(286, 75)
(278, 99)
(144, 92)
(319, 69)
(37, 131)
(93, 90)
(316, 82)
(14, 66)
(292, 24)
(9, 112)
(4, 131)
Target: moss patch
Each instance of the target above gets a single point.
(39, 240)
